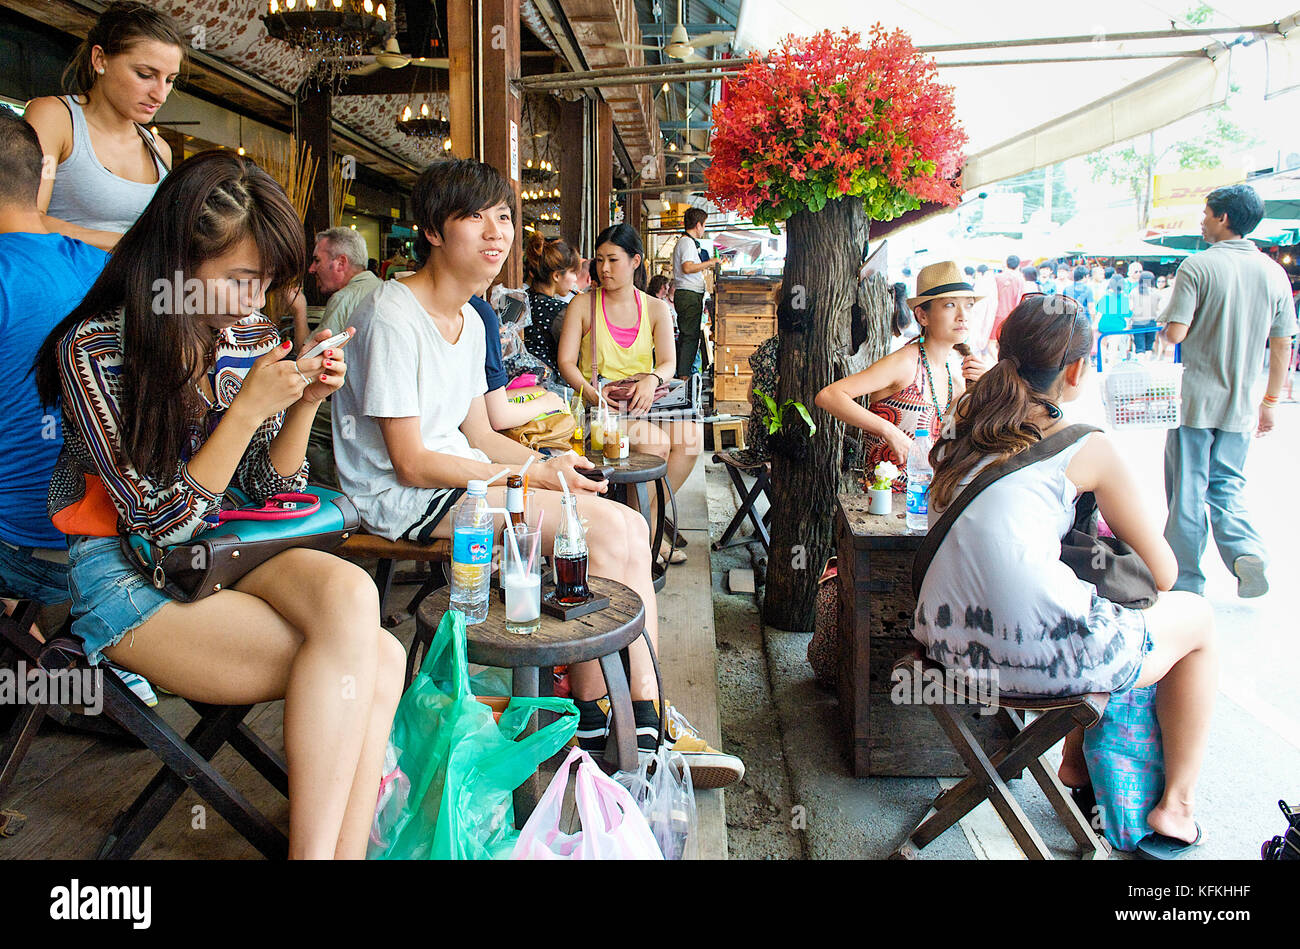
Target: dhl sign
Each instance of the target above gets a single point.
(1191, 187)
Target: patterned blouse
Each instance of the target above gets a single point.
(906, 409)
(543, 310)
(169, 510)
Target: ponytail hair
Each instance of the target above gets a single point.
(545, 257)
(1042, 336)
(122, 24)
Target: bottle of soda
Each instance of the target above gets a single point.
(919, 476)
(515, 499)
(471, 556)
(571, 555)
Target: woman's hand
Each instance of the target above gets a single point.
(547, 475)
(973, 366)
(900, 445)
(643, 394)
(271, 385)
(325, 371)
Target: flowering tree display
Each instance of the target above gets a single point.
(826, 134)
(825, 118)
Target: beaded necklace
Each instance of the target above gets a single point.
(925, 363)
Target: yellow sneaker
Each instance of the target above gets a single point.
(710, 768)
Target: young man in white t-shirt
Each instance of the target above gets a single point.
(411, 429)
(689, 265)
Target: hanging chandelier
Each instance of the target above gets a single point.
(328, 31)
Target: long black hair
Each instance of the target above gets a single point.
(201, 210)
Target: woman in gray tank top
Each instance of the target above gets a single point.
(103, 165)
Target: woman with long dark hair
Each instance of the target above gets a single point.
(174, 389)
(108, 163)
(997, 598)
(633, 340)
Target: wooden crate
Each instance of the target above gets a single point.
(761, 311)
(725, 407)
(744, 330)
(730, 358)
(732, 388)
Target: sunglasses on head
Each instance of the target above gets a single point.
(1070, 307)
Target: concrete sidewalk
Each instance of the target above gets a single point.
(1253, 757)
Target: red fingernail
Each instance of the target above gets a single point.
(329, 352)
(324, 378)
(286, 344)
(328, 364)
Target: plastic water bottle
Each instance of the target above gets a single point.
(471, 556)
(919, 476)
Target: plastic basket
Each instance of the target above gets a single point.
(1144, 395)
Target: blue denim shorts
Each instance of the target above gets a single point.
(1147, 646)
(110, 597)
(28, 577)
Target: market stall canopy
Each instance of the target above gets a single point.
(1087, 105)
(1272, 232)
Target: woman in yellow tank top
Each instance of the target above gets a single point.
(634, 340)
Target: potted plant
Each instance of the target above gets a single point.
(791, 443)
(826, 133)
(881, 490)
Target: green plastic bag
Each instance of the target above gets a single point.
(462, 765)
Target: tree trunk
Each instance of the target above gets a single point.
(824, 252)
(876, 300)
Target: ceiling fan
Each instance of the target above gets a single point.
(392, 57)
(679, 45)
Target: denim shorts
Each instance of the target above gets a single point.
(110, 597)
(28, 577)
(1147, 646)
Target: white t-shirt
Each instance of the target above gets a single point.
(400, 366)
(685, 250)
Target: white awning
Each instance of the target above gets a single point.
(1022, 117)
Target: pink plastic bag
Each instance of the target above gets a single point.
(613, 827)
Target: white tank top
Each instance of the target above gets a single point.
(88, 194)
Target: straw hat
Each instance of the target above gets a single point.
(943, 279)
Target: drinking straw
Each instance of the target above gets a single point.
(524, 472)
(514, 544)
(532, 554)
(563, 484)
(503, 471)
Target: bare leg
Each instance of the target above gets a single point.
(1184, 660)
(1074, 770)
(303, 626)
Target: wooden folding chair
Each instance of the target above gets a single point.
(187, 762)
(762, 474)
(1026, 747)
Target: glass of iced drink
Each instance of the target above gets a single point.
(521, 578)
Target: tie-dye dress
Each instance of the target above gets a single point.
(997, 597)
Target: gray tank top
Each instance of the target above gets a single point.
(88, 194)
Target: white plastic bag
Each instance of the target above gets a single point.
(662, 789)
(612, 825)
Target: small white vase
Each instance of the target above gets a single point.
(882, 501)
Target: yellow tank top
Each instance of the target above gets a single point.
(613, 361)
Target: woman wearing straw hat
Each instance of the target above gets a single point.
(913, 387)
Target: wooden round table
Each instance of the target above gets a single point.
(604, 635)
(636, 471)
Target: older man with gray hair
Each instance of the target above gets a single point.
(339, 263)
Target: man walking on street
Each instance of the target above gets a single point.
(689, 263)
(1011, 287)
(1226, 302)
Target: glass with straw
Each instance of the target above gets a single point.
(521, 578)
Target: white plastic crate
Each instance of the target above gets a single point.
(1144, 395)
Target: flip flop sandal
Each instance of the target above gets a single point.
(674, 556)
(1159, 847)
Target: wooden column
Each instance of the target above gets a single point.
(500, 110)
(311, 127)
(570, 152)
(460, 52)
(632, 211)
(604, 120)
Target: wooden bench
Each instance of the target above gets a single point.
(876, 615)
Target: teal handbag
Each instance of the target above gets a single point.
(245, 536)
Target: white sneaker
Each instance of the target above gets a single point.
(137, 684)
(1251, 581)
